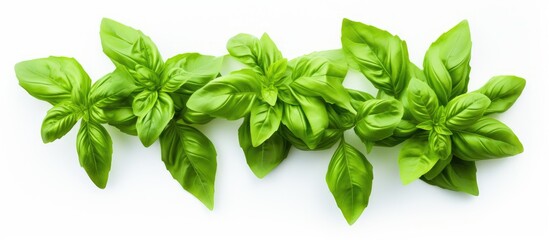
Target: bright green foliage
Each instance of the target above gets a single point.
(283, 103)
(445, 126)
(63, 82)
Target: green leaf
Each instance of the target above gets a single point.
(307, 121)
(486, 139)
(446, 63)
(128, 47)
(438, 168)
(257, 54)
(318, 78)
(230, 96)
(269, 95)
(194, 117)
(422, 101)
(358, 97)
(377, 119)
(190, 69)
(415, 159)
(349, 178)
(144, 102)
(336, 57)
(120, 115)
(503, 91)
(440, 144)
(404, 130)
(150, 126)
(465, 110)
(459, 176)
(265, 157)
(340, 118)
(380, 56)
(113, 87)
(59, 121)
(94, 147)
(54, 79)
(264, 121)
(191, 159)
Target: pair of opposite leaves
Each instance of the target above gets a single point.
(299, 102)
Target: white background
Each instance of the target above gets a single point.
(45, 193)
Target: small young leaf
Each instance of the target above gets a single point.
(415, 159)
(486, 139)
(446, 63)
(422, 101)
(440, 144)
(380, 56)
(465, 110)
(230, 96)
(143, 102)
(54, 79)
(503, 91)
(264, 121)
(59, 121)
(265, 157)
(94, 147)
(349, 178)
(191, 159)
(459, 176)
(150, 126)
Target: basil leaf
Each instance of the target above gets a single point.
(113, 87)
(194, 117)
(59, 121)
(415, 159)
(340, 118)
(440, 144)
(54, 79)
(503, 91)
(264, 121)
(94, 147)
(130, 48)
(336, 57)
(446, 63)
(422, 101)
(329, 138)
(465, 110)
(318, 78)
(144, 102)
(349, 178)
(459, 175)
(192, 69)
(265, 157)
(257, 54)
(438, 168)
(230, 96)
(307, 121)
(377, 119)
(486, 139)
(416, 72)
(380, 56)
(404, 130)
(191, 159)
(150, 126)
(120, 115)
(358, 97)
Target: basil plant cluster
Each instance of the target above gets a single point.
(283, 103)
